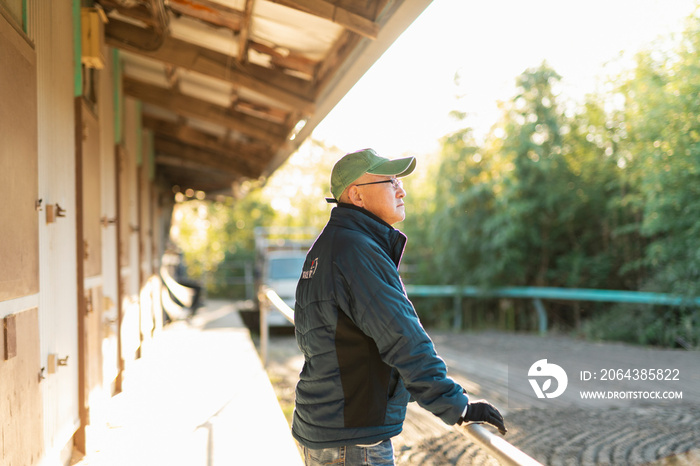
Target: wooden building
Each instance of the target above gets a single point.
(107, 109)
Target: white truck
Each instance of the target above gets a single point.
(280, 254)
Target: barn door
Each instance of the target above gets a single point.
(91, 391)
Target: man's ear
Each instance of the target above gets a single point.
(355, 197)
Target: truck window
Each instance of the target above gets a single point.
(285, 268)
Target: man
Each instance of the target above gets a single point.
(366, 352)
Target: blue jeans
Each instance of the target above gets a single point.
(353, 455)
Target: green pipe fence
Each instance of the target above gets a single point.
(537, 294)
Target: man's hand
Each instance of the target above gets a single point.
(482, 411)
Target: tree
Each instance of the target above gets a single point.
(662, 117)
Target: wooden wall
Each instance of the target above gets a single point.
(21, 420)
(50, 27)
(60, 278)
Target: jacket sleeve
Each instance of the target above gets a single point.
(381, 309)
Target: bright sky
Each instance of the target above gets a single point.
(402, 103)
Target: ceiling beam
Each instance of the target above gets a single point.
(257, 128)
(327, 10)
(287, 90)
(252, 155)
(338, 54)
(194, 157)
(245, 32)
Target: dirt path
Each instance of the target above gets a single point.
(565, 432)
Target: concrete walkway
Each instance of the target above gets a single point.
(198, 397)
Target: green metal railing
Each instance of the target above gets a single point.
(537, 294)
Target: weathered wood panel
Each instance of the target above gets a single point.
(91, 194)
(124, 213)
(21, 418)
(19, 248)
(94, 383)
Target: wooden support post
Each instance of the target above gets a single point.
(457, 307)
(264, 332)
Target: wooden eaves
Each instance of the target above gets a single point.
(267, 99)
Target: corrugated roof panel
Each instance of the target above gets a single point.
(206, 127)
(205, 88)
(260, 59)
(294, 30)
(159, 112)
(144, 69)
(190, 30)
(249, 94)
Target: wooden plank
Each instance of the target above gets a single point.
(80, 436)
(124, 214)
(97, 389)
(118, 177)
(91, 192)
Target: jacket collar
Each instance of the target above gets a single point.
(366, 212)
(389, 238)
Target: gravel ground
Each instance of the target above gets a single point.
(642, 434)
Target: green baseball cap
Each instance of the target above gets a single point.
(355, 164)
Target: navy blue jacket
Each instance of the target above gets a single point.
(366, 352)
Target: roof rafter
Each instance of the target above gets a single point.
(244, 35)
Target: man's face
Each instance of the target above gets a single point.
(382, 199)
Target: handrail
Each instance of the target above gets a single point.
(184, 294)
(539, 293)
(498, 447)
(570, 294)
(279, 303)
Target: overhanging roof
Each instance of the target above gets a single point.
(231, 88)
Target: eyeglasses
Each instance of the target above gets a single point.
(395, 182)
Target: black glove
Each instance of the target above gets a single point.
(483, 411)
